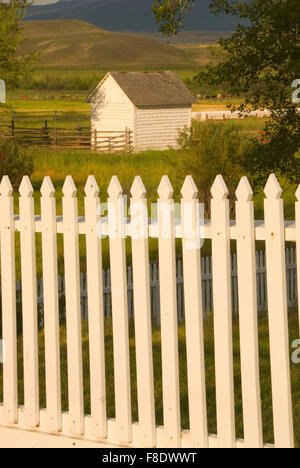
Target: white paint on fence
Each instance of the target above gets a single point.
(222, 314)
(194, 321)
(73, 312)
(166, 291)
(9, 318)
(142, 322)
(94, 288)
(29, 304)
(51, 305)
(168, 315)
(248, 319)
(278, 317)
(119, 311)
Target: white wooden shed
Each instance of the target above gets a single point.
(152, 105)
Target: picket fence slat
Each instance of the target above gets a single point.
(168, 316)
(29, 304)
(119, 310)
(73, 310)
(51, 306)
(194, 315)
(142, 315)
(278, 317)
(237, 287)
(95, 309)
(248, 317)
(9, 316)
(222, 314)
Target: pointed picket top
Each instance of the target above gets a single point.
(138, 189)
(165, 189)
(47, 188)
(189, 190)
(298, 193)
(272, 189)
(114, 189)
(26, 189)
(244, 191)
(91, 188)
(6, 187)
(219, 189)
(69, 188)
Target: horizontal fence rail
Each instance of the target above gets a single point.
(77, 138)
(184, 290)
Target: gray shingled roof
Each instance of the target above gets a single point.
(152, 88)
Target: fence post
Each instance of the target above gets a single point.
(222, 313)
(169, 325)
(278, 316)
(95, 139)
(51, 306)
(142, 314)
(247, 294)
(119, 310)
(73, 310)
(8, 292)
(95, 308)
(13, 125)
(29, 304)
(194, 313)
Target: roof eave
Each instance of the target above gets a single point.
(89, 97)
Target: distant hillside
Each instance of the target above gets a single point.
(189, 37)
(71, 43)
(128, 15)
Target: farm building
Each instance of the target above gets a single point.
(151, 105)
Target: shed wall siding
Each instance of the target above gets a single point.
(111, 108)
(157, 128)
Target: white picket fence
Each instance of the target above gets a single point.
(32, 426)
(206, 280)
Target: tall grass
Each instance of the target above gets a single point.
(265, 377)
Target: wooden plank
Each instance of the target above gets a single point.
(191, 243)
(246, 264)
(168, 308)
(8, 293)
(51, 306)
(73, 310)
(278, 315)
(222, 314)
(142, 317)
(119, 310)
(95, 308)
(29, 304)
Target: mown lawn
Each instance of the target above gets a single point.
(210, 376)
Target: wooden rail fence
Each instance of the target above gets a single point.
(78, 138)
(33, 426)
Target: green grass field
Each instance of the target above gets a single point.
(265, 379)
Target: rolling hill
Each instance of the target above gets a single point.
(72, 43)
(127, 15)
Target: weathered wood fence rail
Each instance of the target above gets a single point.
(206, 279)
(32, 426)
(77, 138)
